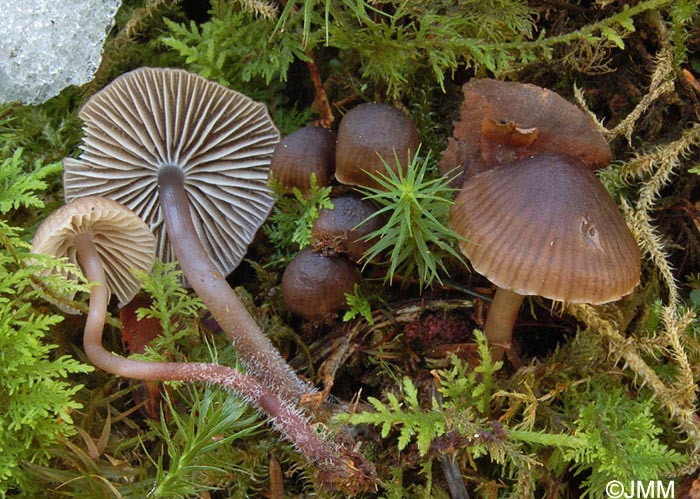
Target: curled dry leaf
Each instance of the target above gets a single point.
(136, 335)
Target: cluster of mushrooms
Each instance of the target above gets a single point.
(535, 218)
(315, 282)
(371, 137)
(175, 167)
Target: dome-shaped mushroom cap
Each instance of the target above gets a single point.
(310, 149)
(221, 141)
(314, 286)
(343, 228)
(556, 126)
(122, 239)
(546, 226)
(368, 132)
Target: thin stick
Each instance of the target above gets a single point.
(326, 112)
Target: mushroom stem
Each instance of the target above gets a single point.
(500, 320)
(256, 351)
(284, 417)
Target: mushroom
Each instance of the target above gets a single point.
(501, 122)
(304, 152)
(121, 238)
(371, 138)
(106, 239)
(344, 228)
(314, 286)
(190, 157)
(544, 226)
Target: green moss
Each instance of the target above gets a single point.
(36, 393)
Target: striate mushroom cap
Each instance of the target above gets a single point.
(314, 286)
(505, 121)
(122, 239)
(369, 133)
(546, 226)
(219, 139)
(310, 149)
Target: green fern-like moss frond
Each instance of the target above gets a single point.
(36, 393)
(619, 441)
(289, 226)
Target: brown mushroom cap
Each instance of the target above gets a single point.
(368, 132)
(308, 150)
(314, 286)
(219, 139)
(341, 230)
(120, 236)
(546, 226)
(557, 125)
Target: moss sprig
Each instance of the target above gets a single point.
(289, 225)
(36, 393)
(416, 235)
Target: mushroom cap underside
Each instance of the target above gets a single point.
(546, 226)
(221, 141)
(122, 239)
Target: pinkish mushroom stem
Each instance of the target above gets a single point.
(500, 321)
(256, 351)
(287, 420)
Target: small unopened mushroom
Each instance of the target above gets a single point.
(106, 240)
(343, 229)
(544, 226)
(369, 136)
(191, 158)
(314, 286)
(501, 122)
(304, 152)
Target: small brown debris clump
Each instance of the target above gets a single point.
(431, 330)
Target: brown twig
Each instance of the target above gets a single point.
(321, 97)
